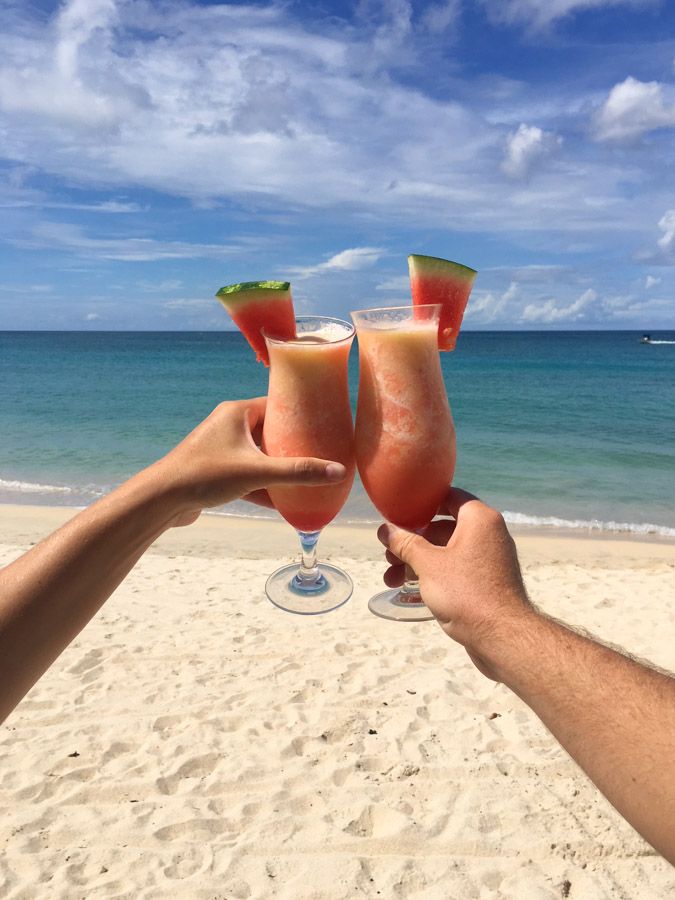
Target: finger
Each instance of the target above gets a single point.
(440, 532)
(299, 470)
(394, 576)
(409, 547)
(455, 500)
(188, 518)
(260, 498)
(255, 410)
(255, 417)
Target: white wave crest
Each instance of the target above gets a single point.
(30, 487)
(516, 518)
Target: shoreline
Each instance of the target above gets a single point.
(249, 537)
(518, 522)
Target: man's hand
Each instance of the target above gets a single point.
(613, 715)
(468, 570)
(221, 461)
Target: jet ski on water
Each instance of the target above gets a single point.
(648, 339)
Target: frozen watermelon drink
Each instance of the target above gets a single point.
(308, 414)
(405, 437)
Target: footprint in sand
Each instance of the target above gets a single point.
(163, 723)
(90, 659)
(197, 767)
(193, 830)
(434, 655)
(185, 864)
(117, 748)
(339, 776)
(377, 822)
(86, 773)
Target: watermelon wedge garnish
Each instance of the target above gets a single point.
(255, 305)
(434, 280)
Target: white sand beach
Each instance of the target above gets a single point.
(197, 742)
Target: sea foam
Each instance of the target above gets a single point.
(516, 518)
(29, 487)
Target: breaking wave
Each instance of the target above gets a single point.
(516, 518)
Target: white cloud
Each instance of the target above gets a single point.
(525, 148)
(58, 235)
(539, 14)
(391, 24)
(548, 312)
(249, 105)
(650, 281)
(535, 273)
(36, 202)
(667, 240)
(633, 108)
(107, 206)
(71, 88)
(345, 261)
(627, 308)
(160, 287)
(229, 101)
(664, 252)
(486, 307)
(91, 317)
(189, 303)
(395, 283)
(438, 17)
(27, 288)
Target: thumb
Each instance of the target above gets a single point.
(300, 470)
(410, 548)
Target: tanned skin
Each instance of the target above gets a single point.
(49, 594)
(613, 715)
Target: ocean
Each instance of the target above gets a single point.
(568, 429)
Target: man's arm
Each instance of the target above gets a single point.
(50, 593)
(613, 715)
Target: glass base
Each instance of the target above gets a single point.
(331, 589)
(390, 605)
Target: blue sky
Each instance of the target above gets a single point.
(154, 150)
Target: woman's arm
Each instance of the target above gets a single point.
(50, 593)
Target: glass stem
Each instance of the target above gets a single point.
(308, 572)
(410, 590)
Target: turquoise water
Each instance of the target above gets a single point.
(571, 426)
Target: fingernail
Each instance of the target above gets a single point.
(335, 471)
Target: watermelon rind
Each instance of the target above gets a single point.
(245, 288)
(434, 265)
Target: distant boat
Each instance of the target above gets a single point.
(648, 339)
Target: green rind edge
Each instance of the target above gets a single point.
(245, 286)
(429, 264)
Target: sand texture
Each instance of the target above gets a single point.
(196, 742)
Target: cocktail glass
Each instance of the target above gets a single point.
(309, 414)
(405, 437)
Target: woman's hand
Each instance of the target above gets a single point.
(221, 461)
